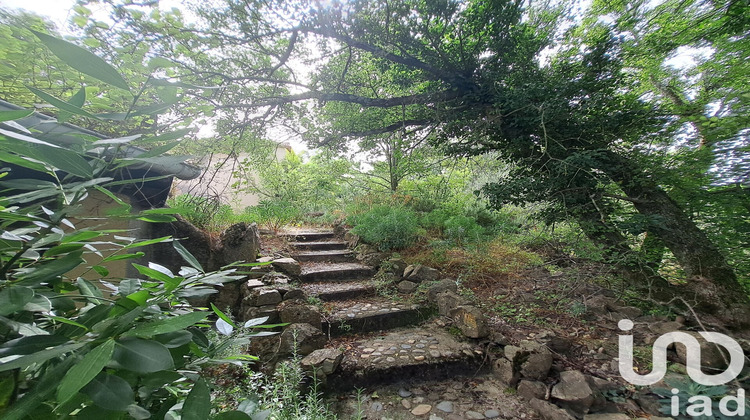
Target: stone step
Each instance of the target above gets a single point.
(329, 291)
(370, 314)
(316, 272)
(307, 236)
(319, 245)
(427, 353)
(325, 256)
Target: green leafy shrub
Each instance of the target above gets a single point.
(67, 346)
(387, 227)
(435, 220)
(72, 347)
(273, 214)
(462, 229)
(206, 213)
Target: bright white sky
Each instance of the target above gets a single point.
(56, 10)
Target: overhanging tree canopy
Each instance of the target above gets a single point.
(469, 71)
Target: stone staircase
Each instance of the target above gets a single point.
(386, 339)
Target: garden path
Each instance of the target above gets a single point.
(397, 353)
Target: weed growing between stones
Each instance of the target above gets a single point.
(279, 396)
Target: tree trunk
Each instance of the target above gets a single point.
(632, 267)
(702, 261)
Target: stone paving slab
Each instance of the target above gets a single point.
(370, 314)
(319, 245)
(322, 256)
(307, 236)
(328, 291)
(417, 354)
(314, 272)
(460, 398)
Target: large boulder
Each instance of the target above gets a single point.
(537, 366)
(448, 301)
(504, 370)
(470, 321)
(288, 266)
(262, 296)
(323, 361)
(532, 389)
(229, 296)
(406, 286)
(445, 285)
(304, 337)
(549, 411)
(253, 312)
(396, 265)
(712, 358)
(294, 294)
(295, 312)
(418, 273)
(240, 242)
(573, 391)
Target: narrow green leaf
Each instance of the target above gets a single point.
(15, 115)
(52, 269)
(47, 153)
(157, 218)
(174, 339)
(198, 403)
(102, 271)
(39, 357)
(76, 100)
(89, 289)
(85, 370)
(25, 138)
(155, 108)
(31, 344)
(153, 274)
(83, 60)
(60, 104)
(175, 323)
(148, 242)
(22, 161)
(81, 236)
(68, 321)
(187, 256)
(27, 184)
(223, 316)
(140, 297)
(142, 356)
(255, 321)
(118, 140)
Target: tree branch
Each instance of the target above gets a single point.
(423, 98)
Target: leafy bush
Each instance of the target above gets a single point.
(462, 229)
(273, 214)
(67, 347)
(435, 220)
(207, 213)
(387, 227)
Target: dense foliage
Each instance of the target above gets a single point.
(76, 339)
(586, 116)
